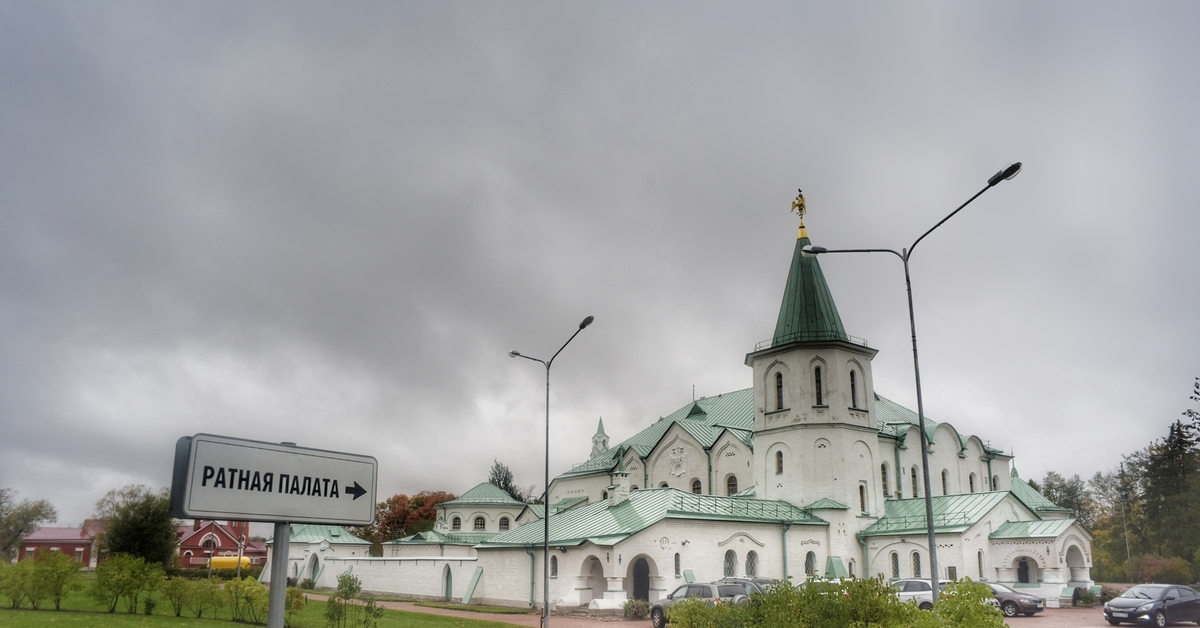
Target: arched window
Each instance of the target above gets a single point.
(862, 498)
(971, 482)
(730, 564)
(731, 484)
(995, 482)
(696, 487)
(633, 488)
(209, 543)
(664, 485)
(553, 566)
(503, 523)
(751, 564)
(853, 389)
(779, 391)
(895, 565)
(456, 523)
(850, 568)
(678, 571)
(883, 477)
(916, 561)
(914, 483)
(810, 564)
(817, 386)
(945, 481)
(603, 495)
(779, 463)
(480, 523)
(979, 559)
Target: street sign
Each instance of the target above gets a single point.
(219, 477)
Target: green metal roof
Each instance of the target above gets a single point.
(826, 504)
(1030, 497)
(432, 537)
(315, 533)
(951, 513)
(484, 494)
(705, 419)
(808, 312)
(1047, 528)
(604, 525)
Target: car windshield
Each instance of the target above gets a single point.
(730, 590)
(999, 588)
(1144, 592)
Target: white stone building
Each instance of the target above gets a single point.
(808, 472)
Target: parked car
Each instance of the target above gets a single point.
(1013, 603)
(917, 591)
(712, 592)
(752, 585)
(1154, 604)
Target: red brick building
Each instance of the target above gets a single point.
(202, 538)
(79, 543)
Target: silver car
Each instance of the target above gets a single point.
(711, 592)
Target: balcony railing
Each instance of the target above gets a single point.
(809, 336)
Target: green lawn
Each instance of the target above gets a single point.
(80, 610)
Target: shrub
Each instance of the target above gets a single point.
(149, 605)
(247, 600)
(54, 575)
(125, 577)
(966, 603)
(341, 611)
(1084, 597)
(308, 583)
(636, 609)
(1108, 592)
(1151, 568)
(178, 592)
(15, 581)
(294, 602)
(205, 595)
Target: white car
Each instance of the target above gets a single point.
(917, 591)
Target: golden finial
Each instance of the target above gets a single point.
(799, 207)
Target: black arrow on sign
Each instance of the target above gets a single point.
(356, 490)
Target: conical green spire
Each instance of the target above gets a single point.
(808, 312)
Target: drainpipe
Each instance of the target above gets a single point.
(645, 474)
(710, 482)
(990, 458)
(786, 525)
(532, 574)
(866, 569)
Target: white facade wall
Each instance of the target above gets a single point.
(418, 577)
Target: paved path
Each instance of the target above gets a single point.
(1051, 618)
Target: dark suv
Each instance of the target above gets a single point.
(711, 592)
(1156, 604)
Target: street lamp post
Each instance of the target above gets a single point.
(546, 495)
(904, 255)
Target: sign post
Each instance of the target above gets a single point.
(220, 477)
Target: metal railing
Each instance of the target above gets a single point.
(809, 336)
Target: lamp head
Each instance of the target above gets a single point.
(1004, 175)
(587, 321)
(813, 250)
(514, 354)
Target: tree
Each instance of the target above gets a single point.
(1070, 493)
(502, 476)
(124, 576)
(400, 516)
(55, 575)
(116, 500)
(17, 520)
(142, 527)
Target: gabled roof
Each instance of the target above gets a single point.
(206, 528)
(893, 419)
(484, 494)
(826, 504)
(315, 533)
(433, 537)
(705, 419)
(604, 525)
(1048, 528)
(951, 513)
(1031, 498)
(59, 534)
(808, 312)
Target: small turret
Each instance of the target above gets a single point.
(599, 441)
(619, 491)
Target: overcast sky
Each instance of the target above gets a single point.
(329, 223)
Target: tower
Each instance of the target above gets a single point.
(814, 432)
(599, 441)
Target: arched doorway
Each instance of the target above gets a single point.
(314, 567)
(594, 583)
(641, 580)
(1023, 571)
(448, 580)
(1075, 562)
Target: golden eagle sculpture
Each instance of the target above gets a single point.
(798, 204)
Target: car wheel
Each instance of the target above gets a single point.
(926, 606)
(1009, 609)
(656, 618)
(1160, 619)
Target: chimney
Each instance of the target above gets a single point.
(619, 491)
